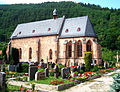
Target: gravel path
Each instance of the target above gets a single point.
(101, 84)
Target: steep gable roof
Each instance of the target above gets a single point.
(73, 24)
(56, 27)
(39, 28)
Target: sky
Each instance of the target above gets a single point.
(103, 3)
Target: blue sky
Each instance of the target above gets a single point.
(102, 3)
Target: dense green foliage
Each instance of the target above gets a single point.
(25, 67)
(115, 87)
(14, 56)
(105, 21)
(88, 60)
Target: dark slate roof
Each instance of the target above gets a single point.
(40, 28)
(72, 25)
(57, 26)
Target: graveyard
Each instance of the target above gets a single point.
(49, 76)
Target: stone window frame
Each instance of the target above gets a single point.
(30, 53)
(79, 48)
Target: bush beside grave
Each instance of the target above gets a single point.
(88, 61)
(25, 67)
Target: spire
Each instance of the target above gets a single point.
(55, 14)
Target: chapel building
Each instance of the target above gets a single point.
(60, 40)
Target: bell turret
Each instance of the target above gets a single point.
(55, 14)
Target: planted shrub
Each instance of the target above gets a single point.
(25, 67)
(115, 87)
(81, 71)
(88, 60)
(41, 70)
(51, 72)
(94, 69)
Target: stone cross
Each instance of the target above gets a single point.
(56, 71)
(117, 56)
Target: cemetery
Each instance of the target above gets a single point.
(50, 75)
(58, 76)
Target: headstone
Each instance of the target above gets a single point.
(2, 80)
(79, 68)
(46, 72)
(56, 71)
(53, 65)
(39, 75)
(64, 73)
(12, 68)
(83, 67)
(32, 70)
(41, 65)
(68, 69)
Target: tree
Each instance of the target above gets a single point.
(88, 60)
(14, 56)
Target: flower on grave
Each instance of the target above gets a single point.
(51, 70)
(38, 66)
(80, 75)
(75, 79)
(21, 89)
(71, 79)
(73, 66)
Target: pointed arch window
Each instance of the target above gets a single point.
(69, 50)
(79, 49)
(50, 54)
(88, 46)
(30, 53)
(20, 53)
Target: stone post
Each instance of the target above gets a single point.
(117, 56)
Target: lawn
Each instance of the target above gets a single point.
(49, 79)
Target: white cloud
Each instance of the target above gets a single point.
(28, 1)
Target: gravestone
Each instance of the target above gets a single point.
(79, 68)
(41, 65)
(56, 71)
(64, 72)
(68, 69)
(83, 67)
(32, 70)
(2, 80)
(46, 72)
(12, 68)
(53, 65)
(39, 75)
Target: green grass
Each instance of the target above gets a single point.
(50, 79)
(13, 88)
(112, 74)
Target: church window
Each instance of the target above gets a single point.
(33, 31)
(49, 29)
(19, 32)
(66, 30)
(69, 49)
(50, 54)
(30, 53)
(79, 49)
(88, 46)
(20, 53)
(78, 29)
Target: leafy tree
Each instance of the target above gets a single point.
(14, 56)
(88, 60)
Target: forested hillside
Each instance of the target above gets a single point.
(106, 22)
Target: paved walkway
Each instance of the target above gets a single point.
(101, 84)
